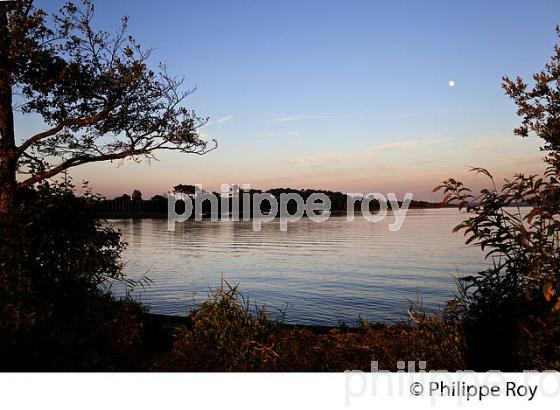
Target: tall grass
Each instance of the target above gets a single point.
(226, 334)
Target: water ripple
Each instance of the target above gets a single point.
(324, 272)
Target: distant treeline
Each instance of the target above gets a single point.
(134, 206)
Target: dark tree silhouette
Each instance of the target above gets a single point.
(136, 195)
(97, 96)
(123, 197)
(184, 189)
(539, 105)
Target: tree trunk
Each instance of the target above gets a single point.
(8, 149)
(8, 184)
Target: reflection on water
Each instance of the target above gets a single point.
(323, 272)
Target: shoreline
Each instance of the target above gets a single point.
(174, 322)
(164, 215)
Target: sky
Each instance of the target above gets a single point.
(352, 96)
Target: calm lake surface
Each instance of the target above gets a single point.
(317, 273)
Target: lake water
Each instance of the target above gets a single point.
(316, 273)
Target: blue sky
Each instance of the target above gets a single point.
(351, 95)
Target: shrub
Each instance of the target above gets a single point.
(510, 311)
(224, 336)
(55, 314)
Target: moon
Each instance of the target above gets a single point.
(451, 83)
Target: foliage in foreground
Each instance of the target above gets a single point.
(225, 334)
(55, 257)
(510, 313)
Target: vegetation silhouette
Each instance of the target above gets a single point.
(56, 263)
(156, 207)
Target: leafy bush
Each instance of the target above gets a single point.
(509, 324)
(55, 314)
